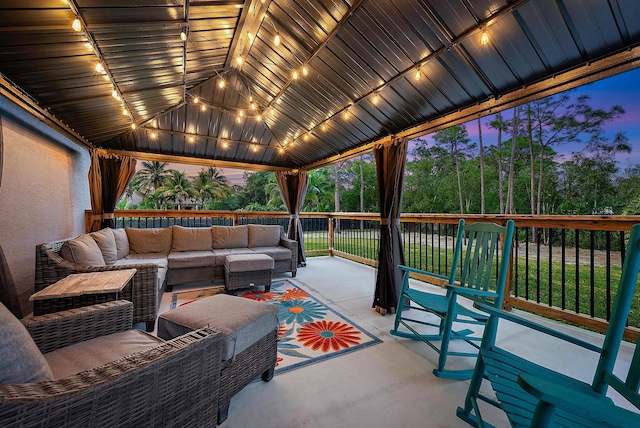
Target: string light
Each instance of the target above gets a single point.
(253, 106)
(345, 115)
(100, 67)
(239, 60)
(125, 112)
(484, 39)
(203, 107)
(324, 127)
(295, 75)
(255, 148)
(115, 95)
(133, 126)
(191, 139)
(305, 70)
(276, 40)
(225, 145)
(258, 118)
(376, 98)
(195, 100)
(77, 25)
(306, 137)
(250, 36)
(183, 36)
(221, 83)
(154, 135)
(418, 74)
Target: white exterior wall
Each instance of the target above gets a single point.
(44, 191)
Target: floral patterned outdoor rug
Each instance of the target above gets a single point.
(310, 331)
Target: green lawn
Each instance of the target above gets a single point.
(433, 259)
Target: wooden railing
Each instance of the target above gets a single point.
(550, 275)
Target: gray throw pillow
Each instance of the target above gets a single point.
(20, 359)
(122, 243)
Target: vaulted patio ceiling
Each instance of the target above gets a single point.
(356, 63)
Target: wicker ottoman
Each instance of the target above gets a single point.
(249, 341)
(247, 270)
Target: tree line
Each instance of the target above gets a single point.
(520, 172)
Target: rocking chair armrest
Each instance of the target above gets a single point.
(422, 272)
(471, 291)
(535, 326)
(594, 407)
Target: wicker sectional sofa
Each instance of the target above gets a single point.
(163, 257)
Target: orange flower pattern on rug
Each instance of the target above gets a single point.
(328, 335)
(261, 296)
(293, 294)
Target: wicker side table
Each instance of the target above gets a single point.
(247, 270)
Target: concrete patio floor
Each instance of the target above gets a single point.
(390, 383)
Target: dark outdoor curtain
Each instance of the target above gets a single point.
(390, 162)
(293, 189)
(109, 176)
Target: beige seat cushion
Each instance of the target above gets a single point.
(82, 250)
(221, 254)
(188, 259)
(248, 262)
(159, 259)
(97, 352)
(264, 235)
(191, 239)
(143, 241)
(276, 253)
(242, 321)
(230, 236)
(107, 243)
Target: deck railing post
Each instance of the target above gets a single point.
(330, 232)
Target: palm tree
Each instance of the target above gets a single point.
(178, 188)
(272, 189)
(319, 191)
(206, 189)
(152, 176)
(215, 175)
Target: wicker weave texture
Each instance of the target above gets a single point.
(235, 280)
(174, 384)
(54, 331)
(246, 366)
(50, 268)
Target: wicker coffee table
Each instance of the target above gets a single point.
(247, 270)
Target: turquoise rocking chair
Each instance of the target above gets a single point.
(536, 396)
(474, 282)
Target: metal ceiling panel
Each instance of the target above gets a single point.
(354, 50)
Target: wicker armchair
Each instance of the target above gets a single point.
(51, 267)
(172, 384)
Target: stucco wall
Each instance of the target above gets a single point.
(43, 193)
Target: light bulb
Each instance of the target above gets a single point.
(306, 137)
(191, 139)
(376, 98)
(195, 100)
(276, 40)
(258, 118)
(238, 119)
(99, 67)
(225, 145)
(281, 149)
(183, 36)
(253, 106)
(133, 126)
(154, 135)
(255, 148)
(125, 112)
(305, 70)
(240, 113)
(418, 75)
(250, 36)
(115, 95)
(77, 25)
(484, 39)
(221, 83)
(88, 46)
(295, 75)
(203, 107)
(239, 60)
(324, 127)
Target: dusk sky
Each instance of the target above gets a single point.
(622, 89)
